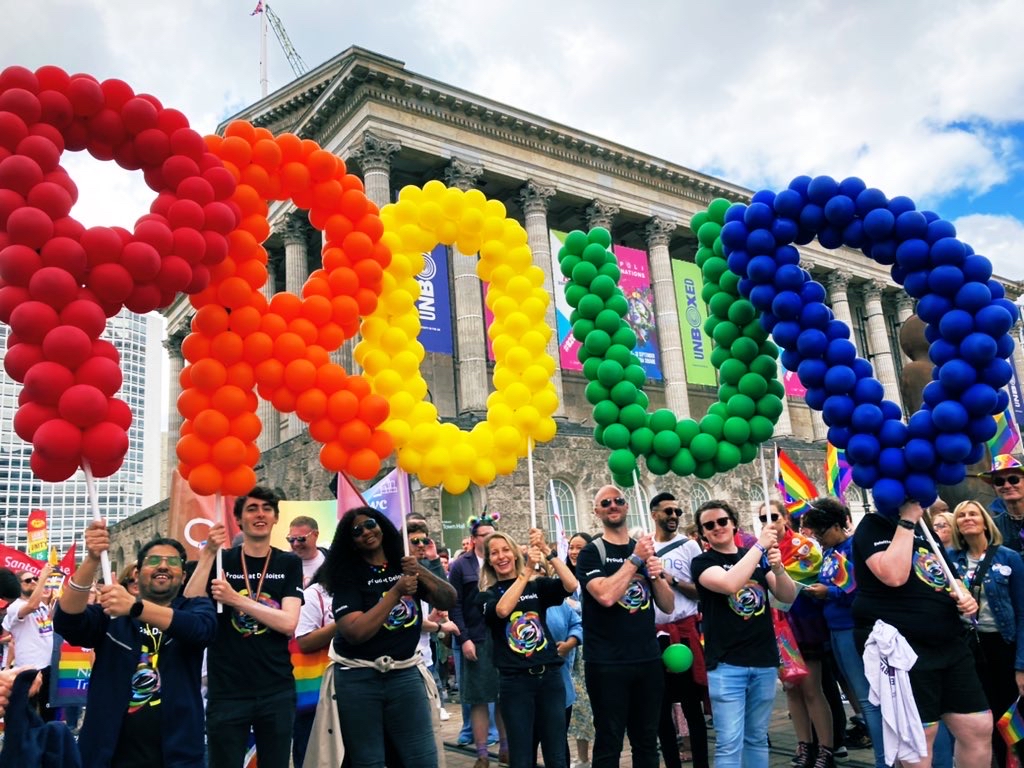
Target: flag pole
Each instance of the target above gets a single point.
(946, 570)
(756, 523)
(533, 495)
(645, 523)
(217, 505)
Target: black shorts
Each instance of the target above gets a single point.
(953, 687)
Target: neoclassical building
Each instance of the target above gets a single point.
(394, 128)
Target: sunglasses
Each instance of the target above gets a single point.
(366, 525)
(30, 579)
(154, 561)
(722, 522)
(295, 539)
(422, 542)
(673, 511)
(999, 482)
(617, 501)
(129, 582)
(764, 518)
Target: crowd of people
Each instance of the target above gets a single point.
(916, 618)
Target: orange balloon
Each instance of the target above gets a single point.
(330, 335)
(338, 227)
(267, 153)
(192, 450)
(327, 196)
(291, 147)
(228, 453)
(241, 375)
(287, 305)
(333, 257)
(323, 430)
(322, 165)
(185, 377)
(229, 400)
(236, 150)
(381, 443)
(211, 425)
(311, 405)
(191, 402)
(195, 346)
(331, 378)
(294, 179)
(270, 373)
(257, 177)
(317, 309)
(243, 129)
(354, 434)
(252, 454)
(358, 246)
(246, 427)
(373, 409)
(257, 347)
(273, 324)
(289, 346)
(304, 329)
(358, 386)
(239, 481)
(227, 347)
(318, 356)
(244, 320)
(334, 456)
(209, 374)
(317, 287)
(283, 400)
(234, 292)
(299, 375)
(205, 479)
(249, 200)
(210, 320)
(364, 464)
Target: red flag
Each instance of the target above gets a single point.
(258, 8)
(349, 496)
(189, 513)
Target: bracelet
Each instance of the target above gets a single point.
(902, 523)
(78, 587)
(763, 550)
(551, 555)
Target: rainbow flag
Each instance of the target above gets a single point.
(70, 686)
(801, 557)
(308, 669)
(1011, 724)
(1007, 436)
(796, 488)
(838, 473)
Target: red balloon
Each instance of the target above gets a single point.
(23, 103)
(105, 468)
(138, 114)
(102, 245)
(12, 130)
(52, 77)
(187, 213)
(188, 143)
(33, 320)
(175, 275)
(29, 226)
(104, 443)
(52, 471)
(197, 190)
(116, 92)
(85, 95)
(52, 199)
(101, 372)
(86, 315)
(29, 417)
(153, 147)
(67, 345)
(18, 263)
(53, 286)
(20, 358)
(45, 382)
(56, 109)
(42, 150)
(144, 298)
(141, 260)
(103, 348)
(20, 173)
(10, 297)
(67, 254)
(112, 283)
(107, 128)
(19, 77)
(156, 232)
(58, 440)
(10, 201)
(119, 413)
(83, 405)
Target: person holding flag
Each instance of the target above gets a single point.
(29, 620)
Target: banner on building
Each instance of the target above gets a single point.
(1016, 396)
(434, 303)
(636, 285)
(567, 345)
(793, 386)
(36, 538)
(692, 311)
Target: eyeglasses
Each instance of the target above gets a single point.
(367, 525)
(673, 511)
(940, 526)
(722, 522)
(420, 542)
(617, 501)
(30, 579)
(129, 582)
(154, 561)
(295, 539)
(764, 518)
(999, 482)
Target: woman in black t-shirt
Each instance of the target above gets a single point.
(380, 680)
(514, 600)
(900, 581)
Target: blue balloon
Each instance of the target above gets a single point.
(840, 352)
(840, 380)
(812, 343)
(932, 307)
(761, 269)
(869, 390)
(994, 320)
(997, 373)
(800, 184)
(830, 237)
(952, 447)
(852, 186)
(839, 437)
(762, 296)
(930, 216)
(946, 279)
(973, 297)
(1004, 346)
(884, 252)
(950, 416)
(891, 463)
(738, 261)
(812, 292)
(734, 234)
(891, 410)
(950, 473)
(790, 357)
(864, 475)
(785, 230)
(815, 315)
(940, 229)
(840, 210)
(1009, 306)
(982, 430)
(786, 254)
(978, 349)
(805, 235)
(765, 196)
(894, 433)
(788, 203)
(977, 268)
(862, 368)
(822, 189)
(920, 425)
(913, 254)
(957, 375)
(869, 200)
(948, 250)
(901, 204)
(955, 325)
(838, 410)
(977, 454)
(760, 241)
(812, 218)
(867, 417)
(1002, 401)
(931, 333)
(812, 372)
(916, 283)
(786, 333)
(934, 393)
(879, 224)
(735, 212)
(758, 216)
(899, 274)
(920, 455)
(862, 449)
(996, 288)
(837, 329)
(921, 488)
(789, 277)
(815, 398)
(787, 305)
(853, 234)
(889, 495)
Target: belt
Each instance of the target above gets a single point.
(537, 671)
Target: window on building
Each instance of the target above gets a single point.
(639, 508)
(565, 500)
(455, 514)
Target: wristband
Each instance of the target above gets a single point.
(637, 561)
(763, 550)
(551, 555)
(78, 587)
(906, 524)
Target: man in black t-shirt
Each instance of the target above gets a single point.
(249, 667)
(621, 585)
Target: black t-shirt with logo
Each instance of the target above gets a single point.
(139, 744)
(522, 639)
(623, 633)
(921, 608)
(249, 659)
(738, 628)
(399, 635)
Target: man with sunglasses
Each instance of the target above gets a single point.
(620, 584)
(676, 551)
(29, 621)
(145, 705)
(1007, 478)
(303, 533)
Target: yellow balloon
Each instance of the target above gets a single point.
(456, 484)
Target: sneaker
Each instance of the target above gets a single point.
(840, 755)
(824, 758)
(443, 714)
(804, 757)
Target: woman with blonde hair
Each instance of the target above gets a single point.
(943, 525)
(514, 599)
(995, 576)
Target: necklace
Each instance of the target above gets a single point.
(245, 575)
(379, 568)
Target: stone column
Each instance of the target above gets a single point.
(374, 158)
(534, 197)
(294, 235)
(600, 214)
(270, 435)
(658, 231)
(471, 365)
(173, 346)
(837, 283)
(878, 341)
(904, 311)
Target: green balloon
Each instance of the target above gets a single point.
(748, 452)
(683, 463)
(622, 462)
(741, 312)
(663, 419)
(727, 457)
(703, 447)
(617, 352)
(729, 281)
(624, 335)
(667, 443)
(658, 464)
(567, 264)
(753, 386)
(581, 329)
(643, 400)
(632, 417)
(609, 373)
(622, 480)
(582, 354)
(764, 366)
(718, 409)
(591, 306)
(709, 291)
(725, 333)
(718, 208)
(677, 658)
(704, 253)
(624, 393)
(603, 286)
(731, 371)
(718, 248)
(601, 236)
(608, 321)
(597, 342)
(761, 429)
(618, 304)
(595, 392)
(599, 435)
(719, 355)
(595, 253)
(736, 431)
(583, 273)
(711, 323)
(606, 412)
(705, 470)
(726, 392)
(573, 294)
(636, 375)
(576, 241)
(641, 441)
(687, 429)
(714, 268)
(611, 269)
(740, 406)
(698, 221)
(616, 436)
(719, 304)
(770, 407)
(590, 368)
(777, 388)
(744, 349)
(712, 424)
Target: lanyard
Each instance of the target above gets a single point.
(245, 575)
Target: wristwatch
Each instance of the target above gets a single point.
(637, 561)
(136, 610)
(551, 555)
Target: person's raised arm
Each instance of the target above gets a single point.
(36, 598)
(197, 583)
(562, 571)
(439, 593)
(779, 581)
(892, 565)
(508, 601)
(664, 597)
(75, 596)
(717, 579)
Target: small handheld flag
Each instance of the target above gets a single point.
(796, 488)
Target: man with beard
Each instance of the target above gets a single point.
(1007, 478)
(145, 707)
(619, 577)
(303, 533)
(689, 688)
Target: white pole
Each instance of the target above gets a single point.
(533, 495)
(767, 497)
(94, 502)
(645, 523)
(220, 550)
(953, 583)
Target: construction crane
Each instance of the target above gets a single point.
(294, 59)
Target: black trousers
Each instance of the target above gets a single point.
(684, 689)
(626, 699)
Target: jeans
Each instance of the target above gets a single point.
(466, 734)
(534, 705)
(844, 648)
(741, 699)
(371, 703)
(271, 718)
(626, 699)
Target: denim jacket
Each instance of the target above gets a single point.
(1003, 590)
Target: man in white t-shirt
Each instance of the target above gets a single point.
(303, 533)
(29, 620)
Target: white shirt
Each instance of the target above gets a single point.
(33, 635)
(316, 610)
(676, 562)
(310, 566)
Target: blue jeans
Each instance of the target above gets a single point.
(844, 648)
(534, 710)
(372, 703)
(227, 727)
(466, 734)
(741, 699)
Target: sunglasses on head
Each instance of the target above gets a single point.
(30, 579)
(422, 541)
(673, 511)
(764, 518)
(366, 525)
(617, 501)
(721, 522)
(154, 561)
(999, 482)
(295, 539)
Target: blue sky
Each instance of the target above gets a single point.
(919, 97)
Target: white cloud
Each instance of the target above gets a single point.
(1001, 238)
